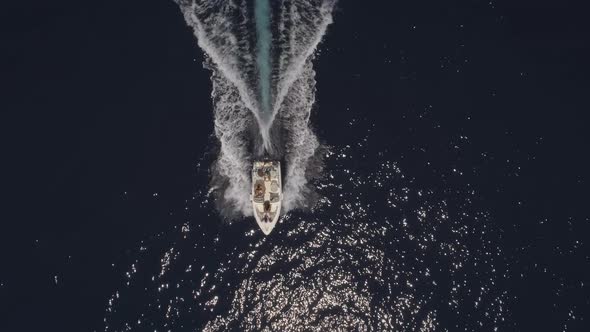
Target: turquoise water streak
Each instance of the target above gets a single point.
(263, 61)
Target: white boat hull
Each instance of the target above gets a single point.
(266, 194)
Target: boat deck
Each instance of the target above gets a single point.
(266, 193)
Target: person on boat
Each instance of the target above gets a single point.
(266, 206)
(267, 174)
(259, 190)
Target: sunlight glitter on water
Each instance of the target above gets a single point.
(378, 252)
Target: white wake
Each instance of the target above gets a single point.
(225, 30)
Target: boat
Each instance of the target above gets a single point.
(266, 193)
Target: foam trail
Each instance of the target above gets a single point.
(222, 37)
(301, 28)
(259, 106)
(222, 29)
(299, 43)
